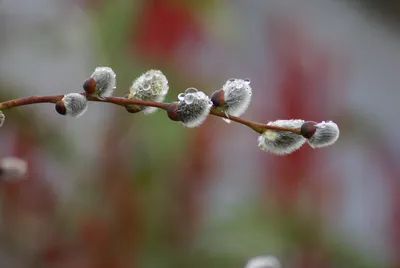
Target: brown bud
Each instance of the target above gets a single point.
(172, 111)
(60, 107)
(133, 108)
(308, 129)
(89, 86)
(218, 98)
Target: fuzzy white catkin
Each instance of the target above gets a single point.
(106, 81)
(12, 167)
(75, 104)
(2, 118)
(263, 262)
(193, 108)
(281, 142)
(237, 96)
(327, 133)
(150, 86)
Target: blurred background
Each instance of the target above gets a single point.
(115, 190)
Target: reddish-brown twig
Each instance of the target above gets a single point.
(258, 127)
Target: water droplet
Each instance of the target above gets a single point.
(146, 86)
(181, 96)
(231, 79)
(247, 81)
(157, 73)
(210, 103)
(191, 90)
(148, 76)
(239, 85)
(189, 98)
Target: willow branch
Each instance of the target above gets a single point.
(258, 127)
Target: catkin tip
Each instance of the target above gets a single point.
(101, 83)
(193, 107)
(72, 104)
(237, 96)
(326, 134)
(150, 86)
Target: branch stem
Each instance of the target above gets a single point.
(258, 127)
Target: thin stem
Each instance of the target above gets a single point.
(30, 100)
(258, 127)
(125, 102)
